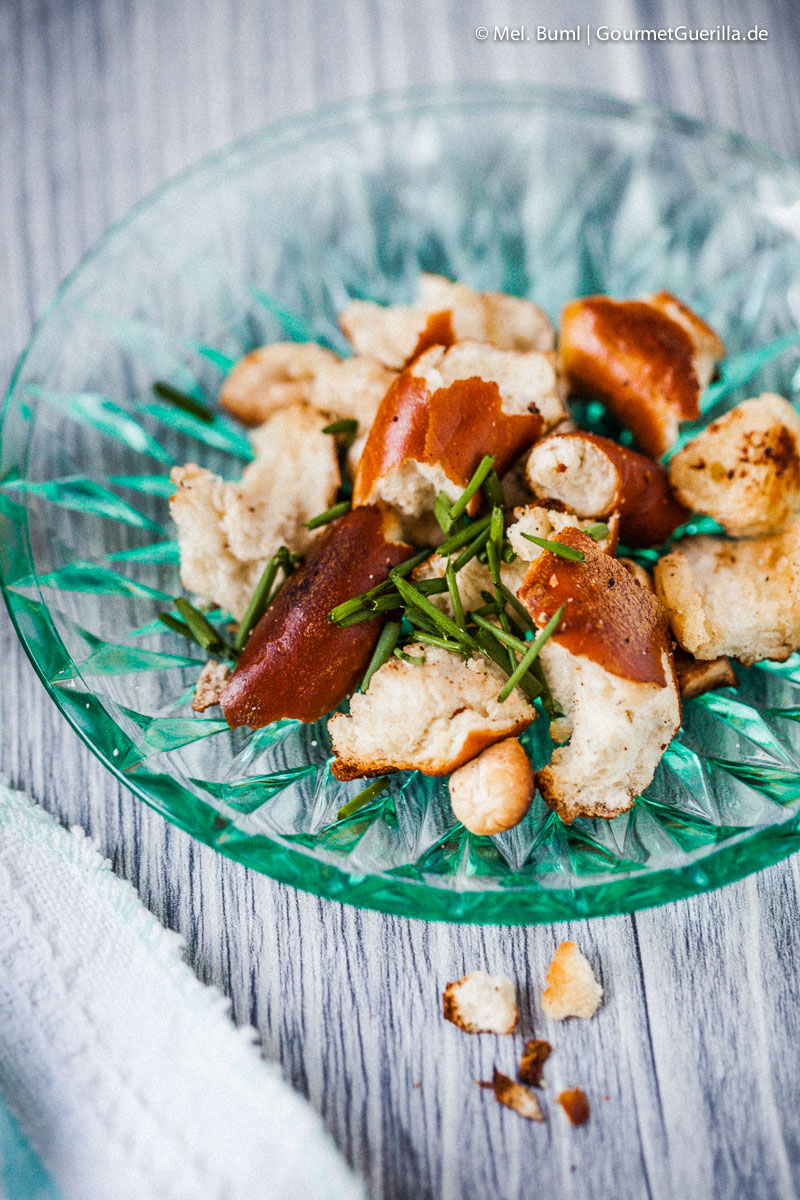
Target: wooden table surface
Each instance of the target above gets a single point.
(692, 1064)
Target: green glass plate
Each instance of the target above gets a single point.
(540, 193)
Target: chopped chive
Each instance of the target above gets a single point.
(346, 425)
(502, 635)
(430, 639)
(358, 618)
(558, 548)
(441, 510)
(467, 534)
(346, 609)
(445, 624)
(490, 648)
(532, 653)
(517, 605)
(508, 553)
(493, 491)
(419, 620)
(178, 626)
(207, 636)
(382, 652)
(597, 531)
(481, 471)
(496, 529)
(494, 570)
(361, 798)
(409, 565)
(486, 610)
(474, 547)
(409, 658)
(258, 604)
(455, 596)
(387, 603)
(330, 514)
(165, 391)
(431, 587)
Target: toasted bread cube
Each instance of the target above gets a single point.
(493, 791)
(740, 599)
(744, 469)
(210, 685)
(430, 718)
(353, 388)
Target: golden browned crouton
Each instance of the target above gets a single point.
(516, 1096)
(740, 599)
(534, 1056)
(272, 377)
(744, 469)
(575, 1106)
(493, 791)
(210, 685)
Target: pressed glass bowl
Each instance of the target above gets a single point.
(540, 193)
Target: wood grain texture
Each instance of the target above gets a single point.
(691, 1066)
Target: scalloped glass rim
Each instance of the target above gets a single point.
(741, 855)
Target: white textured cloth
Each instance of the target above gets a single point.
(124, 1070)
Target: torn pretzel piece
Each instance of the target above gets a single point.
(297, 663)
(531, 1066)
(744, 468)
(444, 414)
(594, 477)
(734, 598)
(516, 1096)
(228, 531)
(481, 1003)
(696, 677)
(210, 685)
(444, 313)
(647, 360)
(571, 987)
(429, 717)
(352, 389)
(575, 1105)
(609, 667)
(272, 377)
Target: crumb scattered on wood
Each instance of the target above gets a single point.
(572, 989)
(575, 1105)
(534, 1056)
(514, 1095)
(481, 1003)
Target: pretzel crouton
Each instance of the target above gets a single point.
(272, 377)
(744, 469)
(740, 599)
(430, 717)
(481, 1003)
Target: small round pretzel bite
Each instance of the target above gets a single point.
(494, 791)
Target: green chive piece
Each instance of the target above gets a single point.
(330, 514)
(382, 652)
(346, 609)
(481, 471)
(409, 565)
(467, 534)
(598, 531)
(493, 491)
(165, 391)
(490, 648)
(430, 639)
(507, 639)
(207, 636)
(508, 553)
(361, 798)
(455, 595)
(474, 547)
(445, 624)
(347, 425)
(258, 604)
(409, 658)
(558, 548)
(531, 654)
(359, 617)
(517, 605)
(441, 510)
(496, 529)
(178, 626)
